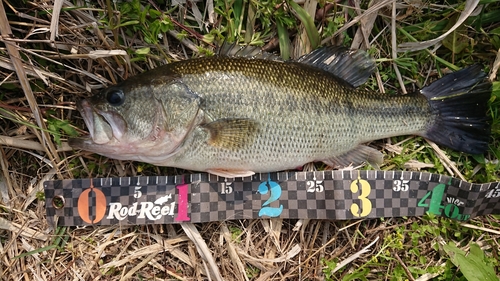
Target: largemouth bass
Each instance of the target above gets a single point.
(248, 112)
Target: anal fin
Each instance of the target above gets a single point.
(356, 156)
(230, 173)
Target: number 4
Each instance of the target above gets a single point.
(436, 195)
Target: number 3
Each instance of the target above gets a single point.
(365, 202)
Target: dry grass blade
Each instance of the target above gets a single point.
(233, 253)
(496, 66)
(203, 250)
(21, 230)
(5, 182)
(17, 61)
(365, 28)
(30, 70)
(355, 255)
(54, 24)
(155, 248)
(366, 25)
(445, 160)
(470, 5)
(394, 48)
(295, 250)
(302, 44)
(357, 19)
(139, 266)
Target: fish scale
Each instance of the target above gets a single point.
(291, 116)
(234, 116)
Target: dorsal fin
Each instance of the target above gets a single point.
(247, 51)
(352, 66)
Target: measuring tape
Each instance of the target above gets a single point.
(332, 195)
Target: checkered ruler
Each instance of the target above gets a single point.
(333, 195)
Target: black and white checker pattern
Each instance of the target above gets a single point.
(304, 195)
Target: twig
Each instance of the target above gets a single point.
(408, 273)
(186, 42)
(27, 144)
(468, 225)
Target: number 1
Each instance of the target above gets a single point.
(183, 203)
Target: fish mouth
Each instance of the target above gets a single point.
(104, 127)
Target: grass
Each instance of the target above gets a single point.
(145, 34)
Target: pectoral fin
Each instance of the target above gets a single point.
(231, 133)
(357, 156)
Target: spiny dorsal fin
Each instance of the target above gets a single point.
(247, 51)
(352, 66)
(231, 133)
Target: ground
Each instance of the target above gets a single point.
(53, 53)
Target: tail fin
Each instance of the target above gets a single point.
(460, 101)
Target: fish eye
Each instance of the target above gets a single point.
(115, 97)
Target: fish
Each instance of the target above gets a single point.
(244, 111)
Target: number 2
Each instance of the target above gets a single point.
(275, 193)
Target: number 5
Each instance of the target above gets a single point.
(137, 192)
